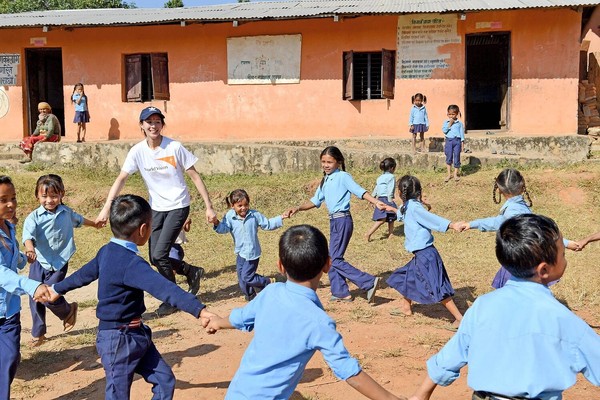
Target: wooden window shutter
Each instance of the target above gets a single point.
(160, 76)
(133, 78)
(348, 81)
(387, 74)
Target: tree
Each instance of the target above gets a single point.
(174, 4)
(17, 6)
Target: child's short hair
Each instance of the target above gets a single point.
(127, 213)
(303, 251)
(236, 196)
(525, 241)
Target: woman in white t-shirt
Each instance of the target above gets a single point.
(161, 162)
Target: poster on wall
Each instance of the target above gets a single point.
(263, 60)
(419, 38)
(9, 64)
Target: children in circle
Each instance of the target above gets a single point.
(384, 192)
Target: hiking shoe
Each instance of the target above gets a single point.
(194, 276)
(371, 292)
(165, 309)
(69, 322)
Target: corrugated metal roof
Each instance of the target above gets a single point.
(256, 10)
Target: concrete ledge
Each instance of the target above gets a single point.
(279, 156)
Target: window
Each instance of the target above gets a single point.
(146, 77)
(368, 75)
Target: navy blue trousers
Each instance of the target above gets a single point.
(452, 151)
(10, 356)
(125, 352)
(60, 307)
(248, 279)
(340, 232)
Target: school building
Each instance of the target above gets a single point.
(301, 69)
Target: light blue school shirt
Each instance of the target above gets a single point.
(12, 285)
(519, 341)
(52, 235)
(336, 190)
(82, 106)
(385, 185)
(245, 231)
(457, 130)
(418, 115)
(418, 224)
(512, 207)
(289, 325)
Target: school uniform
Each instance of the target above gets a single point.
(418, 119)
(519, 341)
(335, 192)
(12, 286)
(455, 135)
(52, 234)
(424, 278)
(124, 343)
(244, 232)
(289, 325)
(81, 111)
(384, 192)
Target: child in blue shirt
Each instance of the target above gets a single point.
(289, 325)
(384, 192)
(335, 190)
(82, 115)
(519, 341)
(12, 286)
(454, 130)
(49, 245)
(418, 121)
(510, 184)
(124, 343)
(424, 279)
(243, 223)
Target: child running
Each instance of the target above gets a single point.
(335, 190)
(519, 341)
(424, 279)
(454, 130)
(243, 223)
(49, 245)
(384, 192)
(510, 184)
(12, 286)
(418, 121)
(290, 325)
(124, 342)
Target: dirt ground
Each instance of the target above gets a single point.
(391, 349)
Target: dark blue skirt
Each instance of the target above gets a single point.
(81, 116)
(424, 279)
(379, 215)
(419, 128)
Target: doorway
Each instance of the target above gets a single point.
(44, 83)
(488, 83)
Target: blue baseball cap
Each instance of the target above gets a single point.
(148, 111)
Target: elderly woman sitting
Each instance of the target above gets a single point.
(47, 130)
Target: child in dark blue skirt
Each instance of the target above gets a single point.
(384, 192)
(424, 279)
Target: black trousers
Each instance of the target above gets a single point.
(166, 225)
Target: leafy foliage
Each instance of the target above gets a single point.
(174, 4)
(17, 6)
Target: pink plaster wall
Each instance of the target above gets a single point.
(545, 53)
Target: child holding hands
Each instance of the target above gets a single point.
(289, 325)
(519, 341)
(123, 277)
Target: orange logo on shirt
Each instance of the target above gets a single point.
(170, 160)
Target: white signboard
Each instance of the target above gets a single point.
(9, 64)
(264, 60)
(419, 38)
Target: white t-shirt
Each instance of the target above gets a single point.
(163, 172)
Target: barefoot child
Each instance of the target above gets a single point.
(519, 341)
(124, 343)
(290, 325)
(424, 279)
(454, 131)
(49, 243)
(384, 192)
